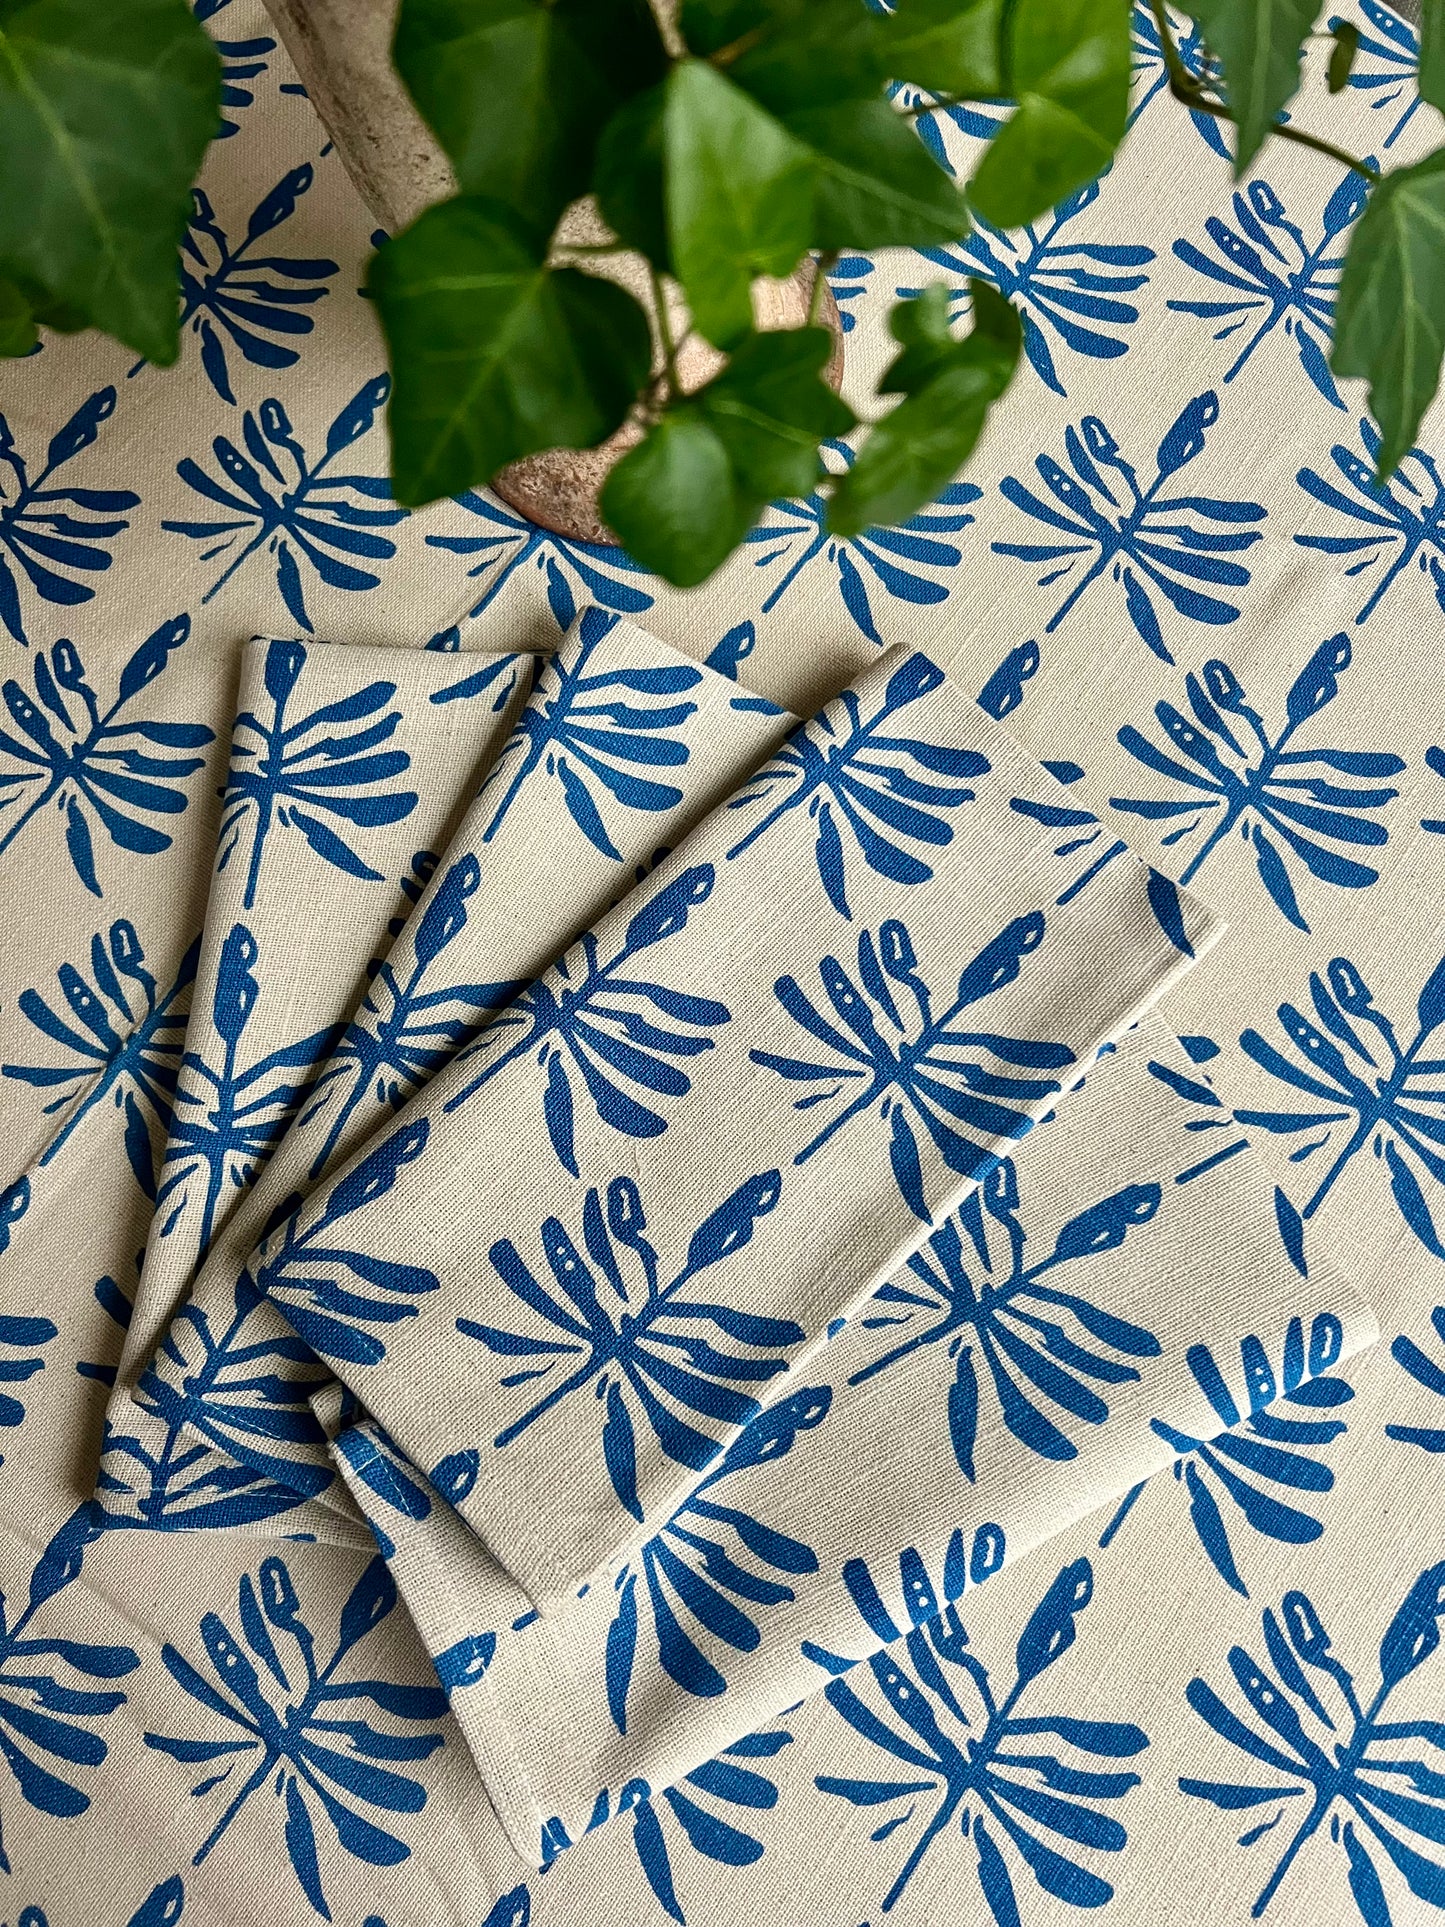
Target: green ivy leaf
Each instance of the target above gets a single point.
(673, 500)
(948, 46)
(628, 176)
(685, 497)
(739, 197)
(877, 185)
(770, 408)
(1390, 314)
(786, 143)
(494, 355)
(517, 91)
(1066, 63)
(106, 108)
(1257, 44)
(807, 52)
(17, 323)
(912, 454)
(1431, 75)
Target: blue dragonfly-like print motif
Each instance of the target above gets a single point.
(1026, 1790)
(1082, 835)
(1268, 278)
(1071, 289)
(330, 759)
(227, 1113)
(924, 1598)
(514, 1909)
(911, 563)
(122, 1035)
(50, 1737)
(1051, 1353)
(599, 733)
(637, 1336)
(162, 1906)
(1430, 1376)
(409, 1024)
(710, 1810)
(53, 535)
(1316, 805)
(278, 498)
(1105, 521)
(1362, 1088)
(882, 1044)
(1216, 1116)
(214, 1389)
(1003, 692)
(1332, 1757)
(711, 1571)
(22, 1342)
(591, 1020)
(1262, 1468)
(1151, 73)
(1399, 522)
(1434, 760)
(113, 770)
(1386, 66)
(304, 1731)
(856, 776)
(508, 544)
(242, 61)
(327, 1314)
(251, 300)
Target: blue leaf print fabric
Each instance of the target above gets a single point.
(1125, 1550)
(462, 954)
(1382, 1090)
(109, 1033)
(1292, 1692)
(284, 770)
(1071, 294)
(905, 563)
(277, 1720)
(972, 1783)
(295, 913)
(1268, 277)
(1134, 533)
(53, 534)
(112, 773)
(294, 505)
(1243, 775)
(608, 736)
(238, 298)
(753, 1576)
(630, 1021)
(861, 780)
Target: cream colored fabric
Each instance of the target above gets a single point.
(1214, 1701)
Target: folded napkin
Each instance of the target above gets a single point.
(701, 1076)
(345, 774)
(348, 768)
(621, 745)
(1055, 1341)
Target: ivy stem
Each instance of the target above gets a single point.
(664, 329)
(936, 105)
(1192, 94)
(821, 269)
(735, 49)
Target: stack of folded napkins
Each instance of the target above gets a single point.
(623, 1223)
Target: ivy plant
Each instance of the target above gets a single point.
(720, 141)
